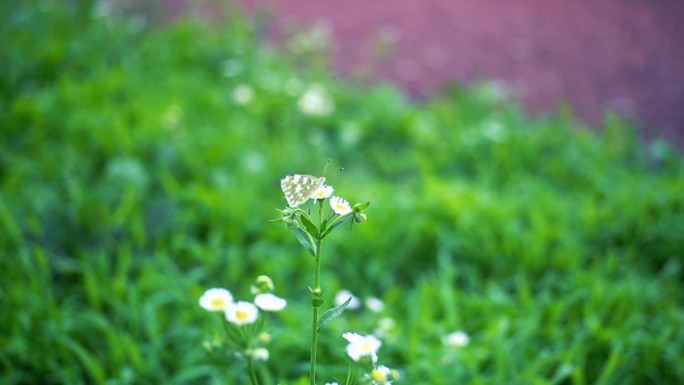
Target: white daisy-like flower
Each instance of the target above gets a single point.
(260, 354)
(362, 346)
(241, 313)
(375, 304)
(316, 102)
(456, 339)
(323, 192)
(243, 94)
(269, 302)
(343, 295)
(216, 299)
(340, 206)
(381, 375)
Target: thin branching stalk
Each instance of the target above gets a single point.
(316, 302)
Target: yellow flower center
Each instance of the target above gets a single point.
(241, 315)
(218, 303)
(378, 375)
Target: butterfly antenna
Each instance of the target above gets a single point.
(326, 165)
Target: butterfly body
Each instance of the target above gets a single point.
(298, 188)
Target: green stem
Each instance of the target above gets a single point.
(316, 302)
(252, 373)
(348, 375)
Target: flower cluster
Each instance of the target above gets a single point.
(338, 205)
(363, 347)
(241, 313)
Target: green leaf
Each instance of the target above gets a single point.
(310, 227)
(339, 221)
(361, 206)
(305, 239)
(332, 314)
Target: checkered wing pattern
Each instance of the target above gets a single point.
(299, 188)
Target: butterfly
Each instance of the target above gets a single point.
(299, 188)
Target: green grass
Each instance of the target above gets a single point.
(132, 181)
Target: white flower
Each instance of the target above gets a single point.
(260, 354)
(343, 295)
(316, 102)
(216, 299)
(385, 327)
(381, 375)
(331, 383)
(269, 302)
(457, 339)
(340, 206)
(361, 346)
(243, 94)
(323, 192)
(241, 313)
(375, 304)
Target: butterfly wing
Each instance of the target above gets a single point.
(298, 188)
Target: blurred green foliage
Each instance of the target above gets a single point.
(135, 175)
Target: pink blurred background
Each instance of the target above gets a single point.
(622, 55)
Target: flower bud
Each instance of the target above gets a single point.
(264, 338)
(264, 284)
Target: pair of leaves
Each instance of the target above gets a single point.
(306, 240)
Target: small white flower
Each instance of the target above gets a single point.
(343, 295)
(269, 302)
(385, 327)
(457, 339)
(260, 354)
(323, 192)
(381, 375)
(340, 206)
(331, 383)
(216, 299)
(316, 102)
(243, 94)
(241, 313)
(362, 346)
(375, 304)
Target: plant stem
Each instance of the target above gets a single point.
(316, 302)
(252, 373)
